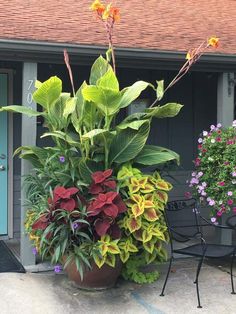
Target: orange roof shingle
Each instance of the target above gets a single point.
(152, 24)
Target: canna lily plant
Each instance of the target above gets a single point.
(90, 199)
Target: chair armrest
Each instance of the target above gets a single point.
(231, 222)
(211, 224)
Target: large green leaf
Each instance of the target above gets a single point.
(106, 100)
(84, 112)
(40, 152)
(160, 89)
(136, 124)
(48, 92)
(154, 155)
(132, 92)
(128, 143)
(93, 133)
(55, 116)
(21, 109)
(69, 106)
(109, 81)
(99, 68)
(167, 111)
(63, 136)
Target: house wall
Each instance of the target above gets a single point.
(197, 92)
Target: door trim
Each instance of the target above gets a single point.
(10, 156)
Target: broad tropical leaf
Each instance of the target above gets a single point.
(48, 92)
(135, 125)
(109, 81)
(154, 155)
(160, 89)
(167, 111)
(106, 100)
(93, 133)
(132, 92)
(85, 112)
(69, 106)
(99, 68)
(22, 109)
(128, 143)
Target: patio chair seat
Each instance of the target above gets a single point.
(185, 224)
(212, 250)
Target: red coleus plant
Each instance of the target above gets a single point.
(65, 199)
(107, 205)
(102, 181)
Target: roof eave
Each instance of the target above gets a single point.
(51, 52)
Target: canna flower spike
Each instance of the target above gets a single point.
(106, 12)
(213, 42)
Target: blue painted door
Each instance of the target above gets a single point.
(3, 155)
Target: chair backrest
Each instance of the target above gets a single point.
(231, 222)
(182, 220)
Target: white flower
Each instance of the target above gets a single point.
(200, 140)
(212, 202)
(200, 174)
(234, 123)
(205, 133)
(220, 202)
(219, 125)
(213, 140)
(233, 181)
(212, 127)
(204, 184)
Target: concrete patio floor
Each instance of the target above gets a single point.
(49, 293)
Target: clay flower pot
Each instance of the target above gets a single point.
(95, 278)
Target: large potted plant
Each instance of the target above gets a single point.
(90, 204)
(214, 178)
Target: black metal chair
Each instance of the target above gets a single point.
(185, 223)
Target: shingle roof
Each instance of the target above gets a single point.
(152, 24)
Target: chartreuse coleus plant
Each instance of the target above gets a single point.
(143, 225)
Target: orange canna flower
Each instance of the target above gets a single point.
(100, 11)
(213, 41)
(97, 5)
(115, 14)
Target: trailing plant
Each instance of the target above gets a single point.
(213, 181)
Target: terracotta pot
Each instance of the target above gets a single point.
(95, 278)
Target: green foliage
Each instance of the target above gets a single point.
(155, 155)
(134, 271)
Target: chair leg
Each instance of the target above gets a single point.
(167, 275)
(196, 280)
(231, 274)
